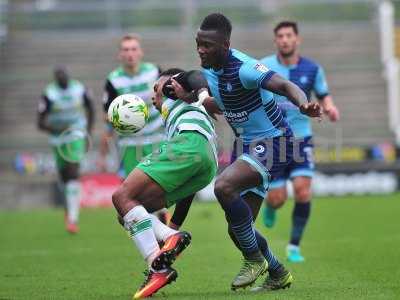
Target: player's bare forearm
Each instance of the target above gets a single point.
(283, 87)
(190, 87)
(181, 93)
(212, 107)
(43, 124)
(293, 93)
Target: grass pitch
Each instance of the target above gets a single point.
(351, 246)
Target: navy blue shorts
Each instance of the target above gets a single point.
(270, 157)
(301, 165)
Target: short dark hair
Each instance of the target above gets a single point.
(60, 68)
(130, 37)
(218, 22)
(284, 24)
(171, 72)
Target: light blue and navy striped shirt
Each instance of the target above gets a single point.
(250, 110)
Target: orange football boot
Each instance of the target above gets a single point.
(173, 246)
(69, 226)
(154, 282)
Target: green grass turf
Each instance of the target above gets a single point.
(351, 246)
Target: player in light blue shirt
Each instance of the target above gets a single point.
(310, 77)
(241, 87)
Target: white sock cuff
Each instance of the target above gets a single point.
(161, 230)
(72, 184)
(136, 214)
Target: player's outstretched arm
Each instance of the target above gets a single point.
(281, 86)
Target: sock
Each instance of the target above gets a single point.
(269, 207)
(273, 263)
(240, 219)
(161, 231)
(139, 224)
(301, 213)
(163, 215)
(72, 191)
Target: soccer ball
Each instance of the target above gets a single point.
(128, 114)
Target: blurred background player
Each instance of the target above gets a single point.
(137, 77)
(310, 77)
(66, 113)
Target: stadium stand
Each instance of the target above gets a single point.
(351, 58)
(349, 52)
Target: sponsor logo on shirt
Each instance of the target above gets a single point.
(229, 87)
(239, 117)
(260, 67)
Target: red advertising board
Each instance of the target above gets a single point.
(97, 189)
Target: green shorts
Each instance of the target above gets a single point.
(183, 166)
(70, 152)
(133, 155)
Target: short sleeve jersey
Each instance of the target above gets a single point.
(250, 110)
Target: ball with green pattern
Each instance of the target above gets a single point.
(128, 114)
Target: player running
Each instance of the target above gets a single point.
(137, 77)
(66, 113)
(186, 163)
(310, 77)
(240, 86)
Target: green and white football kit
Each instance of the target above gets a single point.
(187, 161)
(136, 146)
(65, 109)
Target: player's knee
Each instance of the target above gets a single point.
(118, 196)
(276, 198)
(276, 202)
(70, 172)
(223, 190)
(302, 194)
